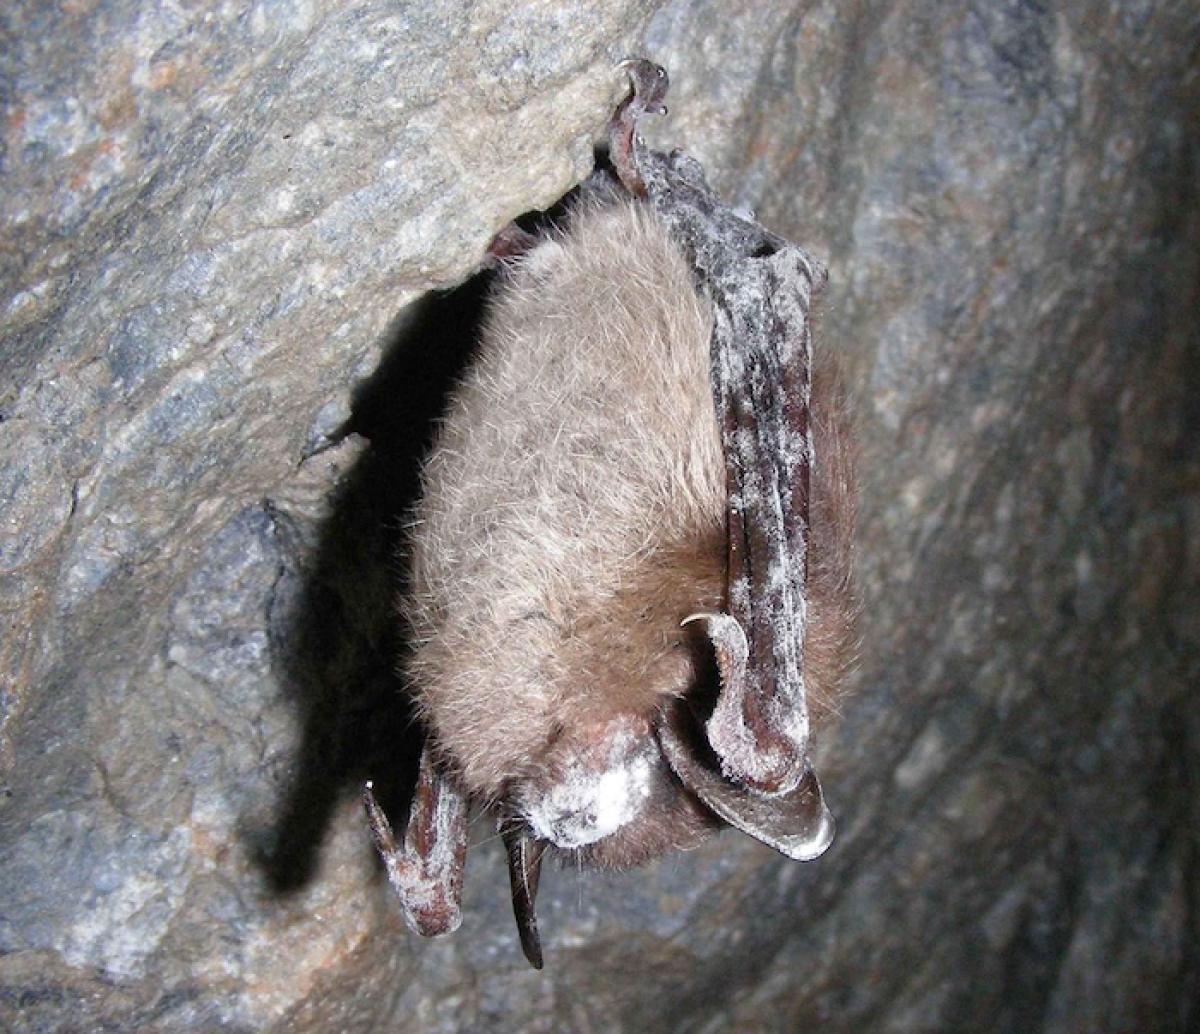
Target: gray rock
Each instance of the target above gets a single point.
(213, 398)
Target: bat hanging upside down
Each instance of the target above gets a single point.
(630, 594)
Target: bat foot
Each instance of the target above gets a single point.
(650, 84)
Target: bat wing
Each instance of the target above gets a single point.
(426, 867)
(761, 288)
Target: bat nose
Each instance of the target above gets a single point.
(569, 829)
(583, 817)
(600, 785)
(573, 830)
(590, 809)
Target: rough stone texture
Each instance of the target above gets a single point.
(211, 220)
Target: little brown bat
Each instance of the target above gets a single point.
(631, 566)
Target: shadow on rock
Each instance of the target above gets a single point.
(336, 632)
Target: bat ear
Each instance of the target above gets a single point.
(524, 869)
(797, 823)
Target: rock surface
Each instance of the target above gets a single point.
(213, 398)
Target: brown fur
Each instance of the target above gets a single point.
(574, 514)
(831, 640)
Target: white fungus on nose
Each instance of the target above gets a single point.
(587, 805)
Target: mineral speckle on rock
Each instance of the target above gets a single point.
(218, 368)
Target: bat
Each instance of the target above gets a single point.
(631, 598)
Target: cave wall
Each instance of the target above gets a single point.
(220, 228)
